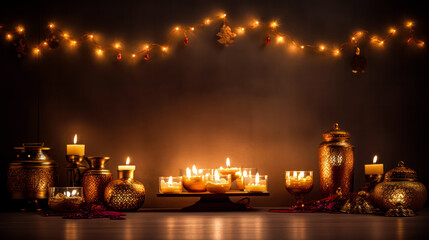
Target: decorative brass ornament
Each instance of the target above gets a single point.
(126, 193)
(226, 36)
(400, 192)
(358, 204)
(95, 180)
(336, 162)
(31, 174)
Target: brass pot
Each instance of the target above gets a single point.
(95, 180)
(125, 193)
(32, 173)
(400, 188)
(336, 162)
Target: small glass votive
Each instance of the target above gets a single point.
(65, 199)
(195, 180)
(255, 183)
(299, 183)
(217, 183)
(170, 184)
(244, 172)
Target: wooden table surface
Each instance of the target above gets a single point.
(259, 224)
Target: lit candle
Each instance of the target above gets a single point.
(127, 167)
(76, 149)
(218, 184)
(298, 183)
(256, 184)
(373, 169)
(229, 170)
(193, 181)
(173, 185)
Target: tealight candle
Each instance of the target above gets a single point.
(244, 173)
(76, 149)
(194, 181)
(218, 183)
(170, 184)
(229, 170)
(258, 183)
(373, 169)
(65, 199)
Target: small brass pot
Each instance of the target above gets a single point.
(95, 180)
(400, 188)
(125, 193)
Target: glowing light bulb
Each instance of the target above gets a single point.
(45, 43)
(177, 28)
(302, 46)
(20, 29)
(322, 48)
(273, 24)
(207, 21)
(410, 24)
(117, 45)
(73, 43)
(392, 31)
(51, 25)
(256, 23)
(36, 50)
(99, 52)
(146, 47)
(241, 30)
(223, 15)
(192, 28)
(65, 35)
(91, 36)
(353, 38)
(280, 39)
(9, 36)
(164, 49)
(336, 52)
(133, 55)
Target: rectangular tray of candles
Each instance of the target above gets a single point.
(210, 202)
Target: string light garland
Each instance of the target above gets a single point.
(55, 37)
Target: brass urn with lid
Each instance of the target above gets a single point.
(30, 175)
(400, 192)
(336, 161)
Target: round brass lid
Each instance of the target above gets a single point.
(401, 173)
(336, 134)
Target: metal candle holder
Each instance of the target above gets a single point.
(74, 170)
(371, 181)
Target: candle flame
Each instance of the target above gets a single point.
(244, 173)
(194, 170)
(170, 180)
(75, 139)
(228, 163)
(257, 179)
(374, 160)
(301, 175)
(295, 174)
(73, 192)
(68, 194)
(128, 161)
(188, 172)
(216, 176)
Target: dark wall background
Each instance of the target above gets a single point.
(263, 107)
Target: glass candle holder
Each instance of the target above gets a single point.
(255, 183)
(170, 184)
(217, 183)
(65, 199)
(195, 180)
(299, 183)
(244, 172)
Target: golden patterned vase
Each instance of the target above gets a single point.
(336, 162)
(31, 174)
(126, 193)
(95, 180)
(400, 187)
